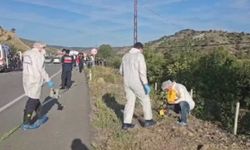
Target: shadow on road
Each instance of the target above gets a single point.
(111, 102)
(48, 103)
(78, 145)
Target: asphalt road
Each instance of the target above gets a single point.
(66, 129)
(11, 84)
(10, 89)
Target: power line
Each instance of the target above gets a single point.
(156, 14)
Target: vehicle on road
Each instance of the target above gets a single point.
(48, 59)
(57, 60)
(4, 60)
(9, 60)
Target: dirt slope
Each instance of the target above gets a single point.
(11, 39)
(108, 102)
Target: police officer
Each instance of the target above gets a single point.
(67, 65)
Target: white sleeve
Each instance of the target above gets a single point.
(42, 70)
(45, 74)
(142, 69)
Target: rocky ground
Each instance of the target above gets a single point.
(197, 135)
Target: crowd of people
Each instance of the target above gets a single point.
(133, 69)
(15, 61)
(83, 60)
(10, 59)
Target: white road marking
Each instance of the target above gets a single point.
(22, 96)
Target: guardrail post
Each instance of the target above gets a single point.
(236, 117)
(155, 86)
(191, 92)
(90, 75)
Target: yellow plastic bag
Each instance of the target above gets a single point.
(171, 96)
(162, 112)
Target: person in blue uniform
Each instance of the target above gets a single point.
(67, 65)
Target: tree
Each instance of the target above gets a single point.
(155, 64)
(105, 51)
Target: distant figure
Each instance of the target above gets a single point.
(34, 75)
(67, 65)
(134, 72)
(178, 99)
(92, 60)
(18, 62)
(80, 60)
(84, 60)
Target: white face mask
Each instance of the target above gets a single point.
(43, 52)
(141, 50)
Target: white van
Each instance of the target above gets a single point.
(4, 52)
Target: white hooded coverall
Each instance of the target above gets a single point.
(34, 73)
(183, 95)
(134, 71)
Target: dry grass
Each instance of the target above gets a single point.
(11, 39)
(107, 103)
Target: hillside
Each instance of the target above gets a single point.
(237, 43)
(108, 100)
(11, 39)
(54, 48)
(50, 49)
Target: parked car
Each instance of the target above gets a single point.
(48, 59)
(57, 60)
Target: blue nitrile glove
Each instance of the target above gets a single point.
(50, 84)
(147, 88)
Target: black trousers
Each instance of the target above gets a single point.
(80, 67)
(66, 78)
(31, 106)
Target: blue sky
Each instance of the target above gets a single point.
(90, 23)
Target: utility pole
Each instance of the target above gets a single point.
(135, 21)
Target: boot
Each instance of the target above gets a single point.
(27, 122)
(181, 123)
(126, 126)
(149, 123)
(27, 118)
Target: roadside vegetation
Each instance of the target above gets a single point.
(215, 64)
(107, 101)
(217, 74)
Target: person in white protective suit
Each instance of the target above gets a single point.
(134, 72)
(34, 75)
(183, 102)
